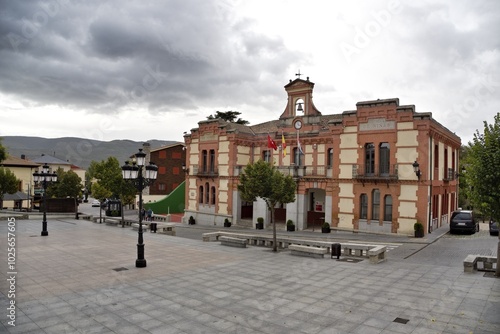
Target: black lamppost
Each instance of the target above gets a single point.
(44, 178)
(142, 176)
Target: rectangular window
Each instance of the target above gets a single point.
(175, 170)
(266, 156)
(162, 170)
(375, 204)
(162, 154)
(388, 208)
(204, 154)
(212, 161)
(363, 212)
(384, 159)
(176, 155)
(369, 159)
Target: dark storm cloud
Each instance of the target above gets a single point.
(101, 56)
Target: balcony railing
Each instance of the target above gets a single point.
(375, 172)
(205, 171)
(450, 175)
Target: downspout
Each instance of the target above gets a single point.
(429, 229)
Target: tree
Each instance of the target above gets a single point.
(110, 182)
(3, 152)
(68, 184)
(229, 116)
(8, 183)
(483, 173)
(263, 180)
(100, 193)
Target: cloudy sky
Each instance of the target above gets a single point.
(144, 70)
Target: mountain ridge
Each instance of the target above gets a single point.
(75, 150)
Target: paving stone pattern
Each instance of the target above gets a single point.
(66, 283)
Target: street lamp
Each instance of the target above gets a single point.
(44, 178)
(416, 169)
(142, 176)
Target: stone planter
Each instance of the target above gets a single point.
(259, 226)
(325, 230)
(290, 228)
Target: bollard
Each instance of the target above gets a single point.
(336, 249)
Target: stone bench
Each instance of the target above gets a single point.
(356, 249)
(99, 220)
(168, 229)
(377, 254)
(234, 242)
(112, 222)
(135, 227)
(307, 251)
(479, 263)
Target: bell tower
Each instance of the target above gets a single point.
(299, 99)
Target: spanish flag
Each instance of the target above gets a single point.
(283, 144)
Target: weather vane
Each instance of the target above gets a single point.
(298, 74)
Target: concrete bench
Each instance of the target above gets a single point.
(135, 227)
(356, 249)
(307, 251)
(377, 254)
(234, 242)
(168, 229)
(479, 263)
(112, 222)
(211, 236)
(99, 220)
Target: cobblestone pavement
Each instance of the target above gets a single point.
(82, 279)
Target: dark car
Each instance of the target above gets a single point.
(463, 221)
(493, 227)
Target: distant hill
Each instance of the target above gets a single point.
(77, 151)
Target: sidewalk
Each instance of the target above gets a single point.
(82, 279)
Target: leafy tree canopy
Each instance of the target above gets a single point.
(229, 116)
(68, 184)
(263, 180)
(3, 152)
(483, 169)
(108, 174)
(8, 182)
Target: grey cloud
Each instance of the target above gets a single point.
(101, 56)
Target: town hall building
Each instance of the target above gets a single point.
(380, 167)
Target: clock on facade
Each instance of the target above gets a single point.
(297, 124)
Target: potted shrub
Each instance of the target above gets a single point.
(419, 230)
(325, 228)
(290, 227)
(191, 220)
(260, 223)
(227, 223)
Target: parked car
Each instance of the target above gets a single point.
(96, 203)
(493, 227)
(463, 221)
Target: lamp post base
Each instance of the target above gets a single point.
(140, 263)
(45, 233)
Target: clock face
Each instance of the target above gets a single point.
(297, 125)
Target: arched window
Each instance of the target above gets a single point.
(213, 195)
(375, 204)
(200, 197)
(369, 159)
(207, 193)
(363, 206)
(388, 208)
(329, 158)
(384, 159)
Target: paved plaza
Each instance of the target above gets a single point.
(82, 279)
